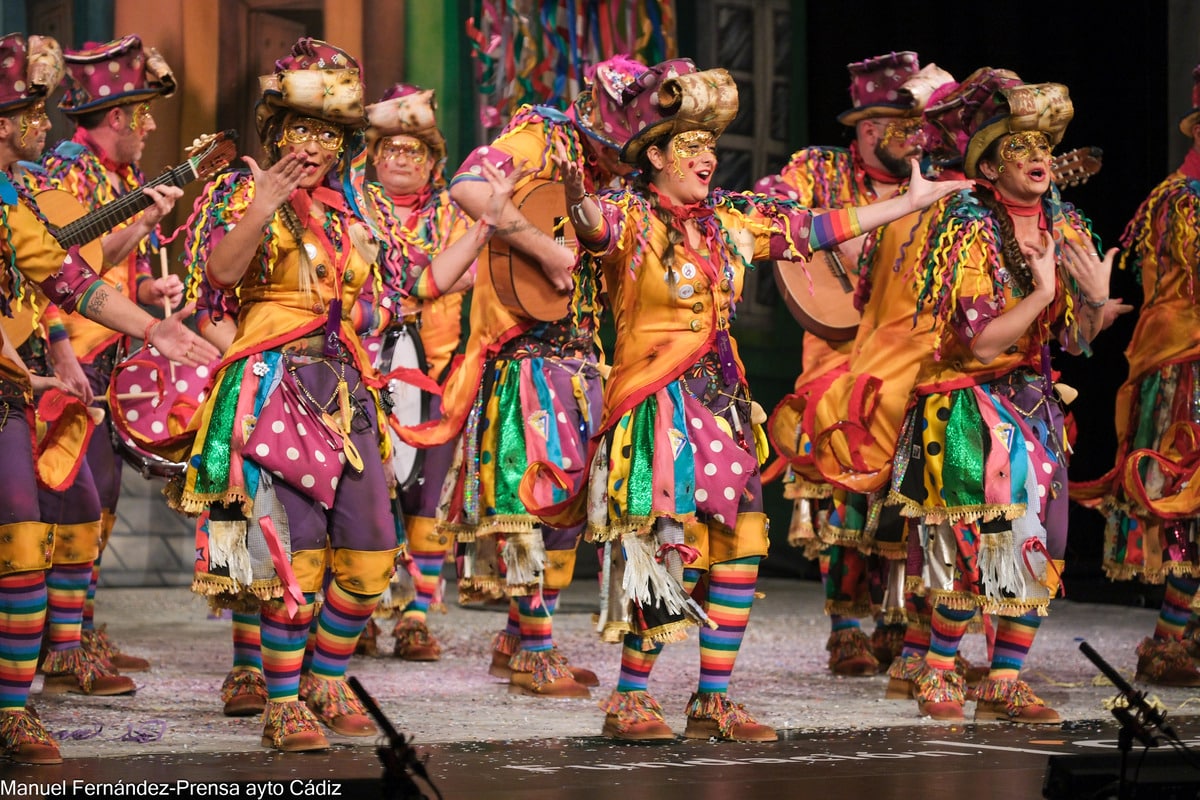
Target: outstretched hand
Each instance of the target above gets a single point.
(923, 192)
(173, 339)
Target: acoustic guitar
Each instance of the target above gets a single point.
(822, 299)
(75, 225)
(518, 279)
(208, 155)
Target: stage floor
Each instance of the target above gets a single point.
(840, 738)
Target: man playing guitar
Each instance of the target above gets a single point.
(109, 88)
(874, 167)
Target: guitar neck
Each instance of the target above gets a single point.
(108, 216)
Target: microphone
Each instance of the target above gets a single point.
(1134, 697)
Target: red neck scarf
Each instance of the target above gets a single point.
(413, 202)
(685, 212)
(882, 176)
(1191, 165)
(82, 137)
(302, 201)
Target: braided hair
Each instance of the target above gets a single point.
(641, 182)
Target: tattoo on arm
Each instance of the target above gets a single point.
(97, 301)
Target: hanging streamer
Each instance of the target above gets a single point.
(539, 51)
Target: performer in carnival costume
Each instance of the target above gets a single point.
(529, 390)
(1150, 497)
(67, 491)
(289, 456)
(419, 221)
(886, 120)
(35, 261)
(109, 88)
(674, 489)
(1003, 270)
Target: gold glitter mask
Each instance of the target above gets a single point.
(140, 118)
(690, 144)
(33, 119)
(302, 130)
(1025, 146)
(410, 149)
(906, 130)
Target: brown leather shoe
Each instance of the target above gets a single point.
(850, 654)
(712, 715)
(25, 740)
(244, 692)
(336, 705)
(414, 642)
(74, 671)
(500, 668)
(98, 643)
(886, 643)
(543, 673)
(902, 673)
(1166, 662)
(1011, 700)
(939, 693)
(292, 728)
(634, 717)
(504, 645)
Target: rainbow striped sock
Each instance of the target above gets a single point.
(66, 593)
(1176, 607)
(636, 664)
(917, 632)
(1014, 637)
(537, 623)
(730, 596)
(283, 640)
(946, 630)
(343, 617)
(247, 641)
(22, 620)
(427, 581)
(89, 603)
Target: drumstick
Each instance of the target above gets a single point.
(166, 271)
(132, 396)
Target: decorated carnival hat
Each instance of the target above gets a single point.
(875, 87)
(29, 70)
(676, 98)
(316, 80)
(114, 74)
(407, 110)
(600, 110)
(999, 103)
(1193, 116)
(948, 113)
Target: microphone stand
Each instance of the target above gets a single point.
(397, 757)
(1139, 719)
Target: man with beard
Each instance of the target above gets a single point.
(875, 167)
(107, 94)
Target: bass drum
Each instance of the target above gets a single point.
(402, 350)
(151, 400)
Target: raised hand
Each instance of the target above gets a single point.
(569, 173)
(273, 186)
(923, 192)
(1043, 264)
(1090, 271)
(502, 191)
